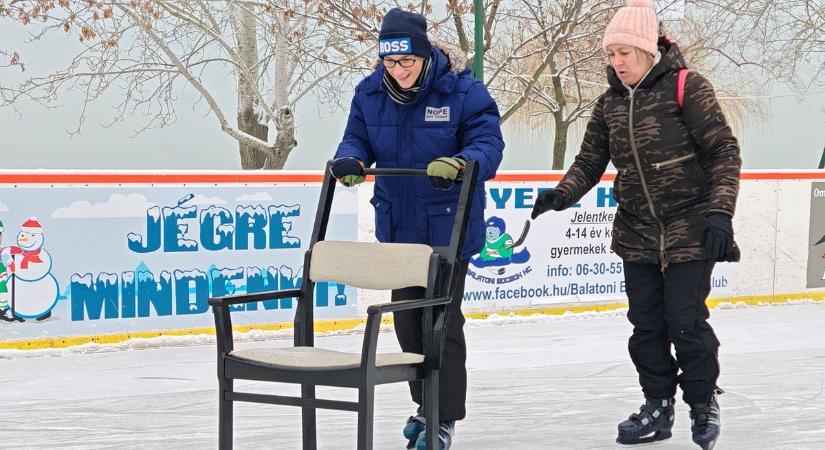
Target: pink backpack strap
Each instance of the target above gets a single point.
(680, 86)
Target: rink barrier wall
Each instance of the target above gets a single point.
(349, 325)
(800, 181)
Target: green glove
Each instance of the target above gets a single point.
(444, 171)
(352, 180)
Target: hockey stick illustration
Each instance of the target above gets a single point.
(516, 243)
(14, 289)
(523, 235)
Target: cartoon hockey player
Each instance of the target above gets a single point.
(498, 244)
(499, 247)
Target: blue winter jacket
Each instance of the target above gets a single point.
(387, 134)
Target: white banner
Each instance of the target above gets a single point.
(564, 258)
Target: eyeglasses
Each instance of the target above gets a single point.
(404, 62)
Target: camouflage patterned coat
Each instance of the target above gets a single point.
(675, 164)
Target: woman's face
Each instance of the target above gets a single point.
(628, 62)
(404, 76)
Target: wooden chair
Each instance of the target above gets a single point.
(363, 265)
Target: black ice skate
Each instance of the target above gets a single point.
(706, 422)
(652, 423)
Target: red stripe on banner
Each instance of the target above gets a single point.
(513, 176)
(820, 175)
(112, 177)
(158, 178)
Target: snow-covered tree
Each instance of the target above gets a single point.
(545, 66)
(277, 51)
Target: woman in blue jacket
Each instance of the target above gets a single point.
(421, 108)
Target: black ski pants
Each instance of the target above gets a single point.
(668, 308)
(452, 377)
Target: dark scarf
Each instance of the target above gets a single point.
(404, 96)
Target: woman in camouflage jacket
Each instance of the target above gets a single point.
(678, 178)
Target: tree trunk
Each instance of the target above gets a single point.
(250, 117)
(559, 141)
(285, 140)
(284, 114)
(560, 132)
(248, 123)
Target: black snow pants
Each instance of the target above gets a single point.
(452, 379)
(668, 308)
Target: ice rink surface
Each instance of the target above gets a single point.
(541, 382)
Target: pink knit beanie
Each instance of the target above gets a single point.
(634, 24)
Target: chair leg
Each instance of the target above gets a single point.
(366, 400)
(225, 416)
(308, 424)
(431, 409)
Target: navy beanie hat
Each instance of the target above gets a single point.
(403, 33)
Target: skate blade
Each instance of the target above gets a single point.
(662, 443)
(634, 441)
(709, 445)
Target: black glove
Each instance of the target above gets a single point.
(718, 235)
(348, 170)
(547, 200)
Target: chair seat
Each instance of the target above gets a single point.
(314, 358)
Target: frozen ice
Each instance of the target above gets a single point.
(537, 382)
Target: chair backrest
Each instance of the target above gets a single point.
(386, 265)
(371, 265)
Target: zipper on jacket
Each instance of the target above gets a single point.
(403, 114)
(669, 162)
(662, 254)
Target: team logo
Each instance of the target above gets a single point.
(501, 251)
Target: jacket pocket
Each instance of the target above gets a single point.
(679, 183)
(383, 219)
(672, 161)
(440, 220)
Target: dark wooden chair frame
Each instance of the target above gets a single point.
(364, 377)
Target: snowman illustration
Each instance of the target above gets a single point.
(34, 289)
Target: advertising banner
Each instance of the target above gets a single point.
(816, 238)
(107, 257)
(561, 257)
(102, 259)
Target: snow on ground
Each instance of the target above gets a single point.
(535, 383)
